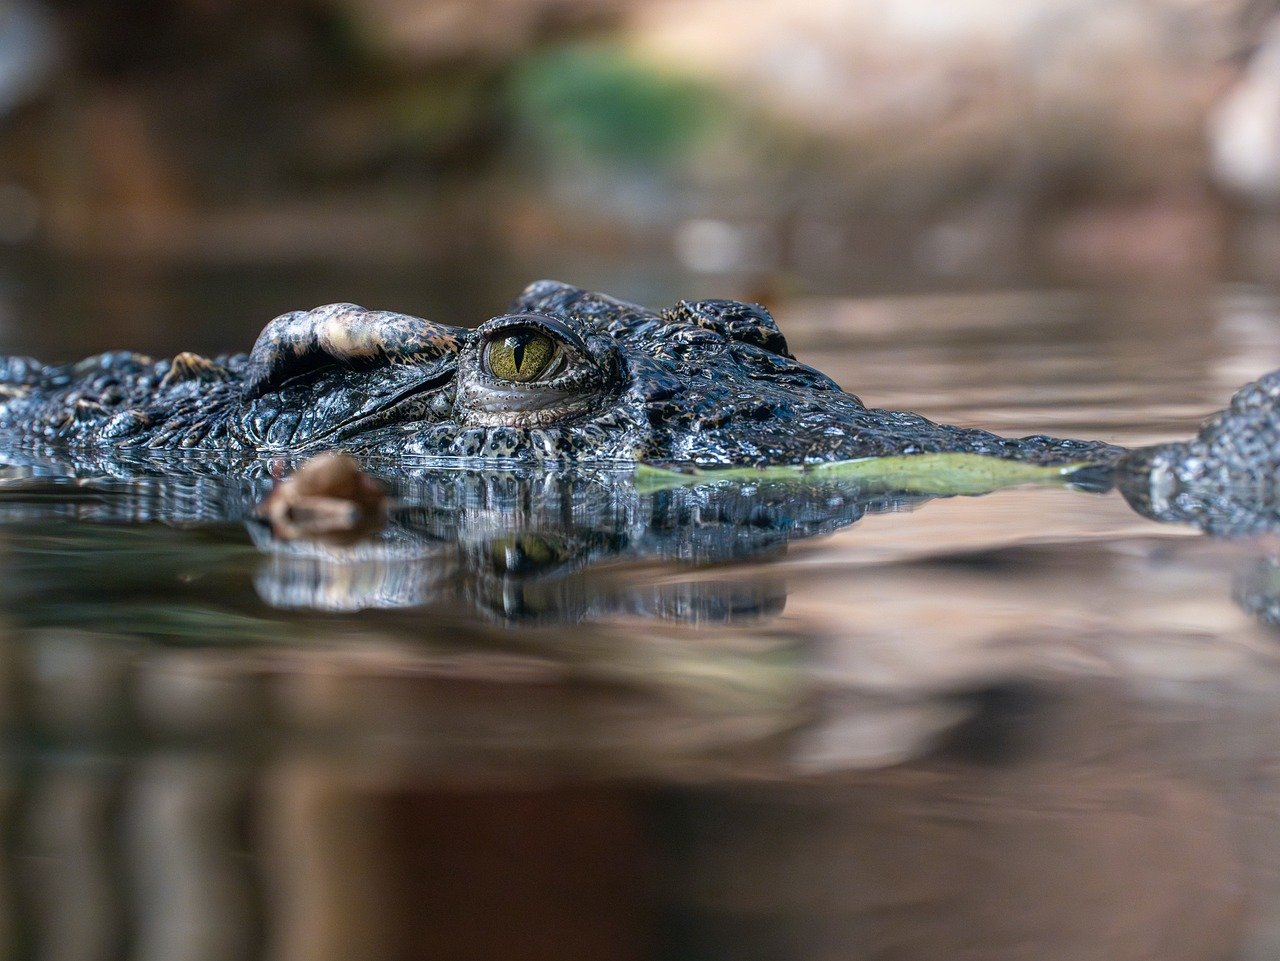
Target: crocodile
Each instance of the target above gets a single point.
(568, 375)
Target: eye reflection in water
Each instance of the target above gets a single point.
(545, 548)
(662, 761)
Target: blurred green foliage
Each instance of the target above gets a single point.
(599, 101)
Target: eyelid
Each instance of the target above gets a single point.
(553, 328)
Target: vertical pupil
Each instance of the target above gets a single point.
(519, 355)
(517, 344)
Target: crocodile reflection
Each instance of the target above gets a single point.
(548, 546)
(536, 547)
(528, 545)
(516, 545)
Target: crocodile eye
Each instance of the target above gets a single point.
(533, 370)
(519, 355)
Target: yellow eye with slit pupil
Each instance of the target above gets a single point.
(520, 355)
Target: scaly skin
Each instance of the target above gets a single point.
(708, 383)
(1225, 478)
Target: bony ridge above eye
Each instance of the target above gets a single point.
(519, 354)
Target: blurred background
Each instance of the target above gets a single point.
(1030, 726)
(175, 172)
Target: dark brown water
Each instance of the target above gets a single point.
(530, 723)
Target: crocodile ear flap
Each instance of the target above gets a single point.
(305, 340)
(744, 323)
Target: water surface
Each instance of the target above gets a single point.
(569, 717)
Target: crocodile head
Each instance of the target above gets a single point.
(564, 375)
(572, 375)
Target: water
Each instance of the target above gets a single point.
(578, 717)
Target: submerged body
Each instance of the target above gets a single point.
(566, 375)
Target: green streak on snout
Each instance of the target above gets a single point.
(938, 474)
